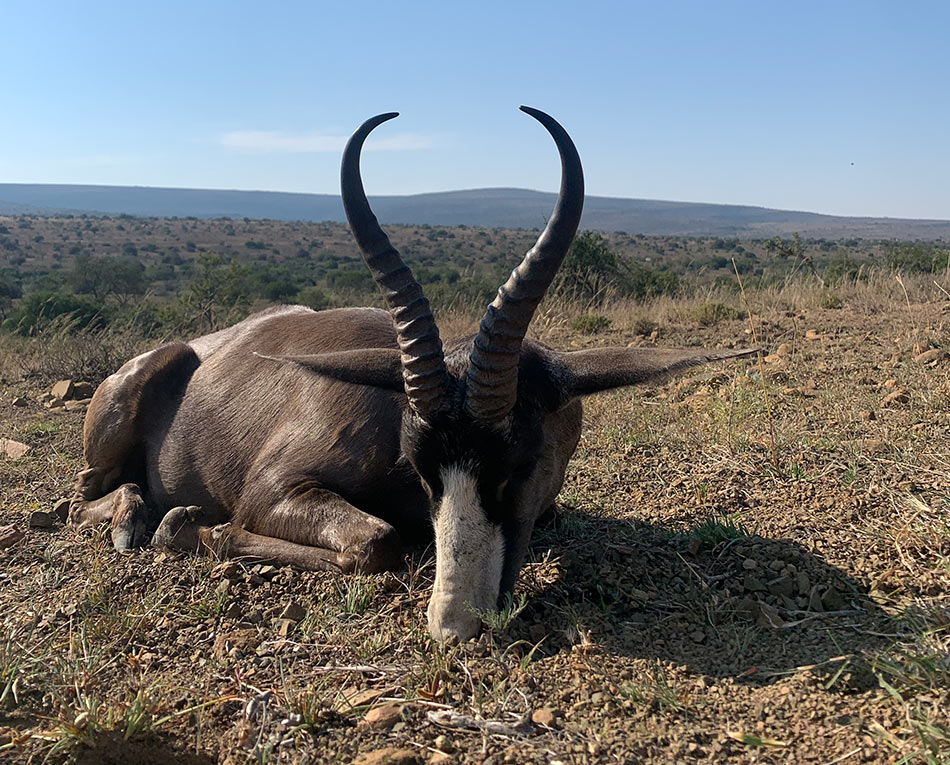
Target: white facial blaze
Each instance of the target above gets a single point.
(469, 555)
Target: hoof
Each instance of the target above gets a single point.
(179, 529)
(130, 519)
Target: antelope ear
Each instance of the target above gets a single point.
(379, 367)
(600, 369)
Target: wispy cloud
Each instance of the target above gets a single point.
(309, 143)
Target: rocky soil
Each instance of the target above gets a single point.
(740, 570)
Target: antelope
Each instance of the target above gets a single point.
(329, 440)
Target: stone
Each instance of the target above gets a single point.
(813, 334)
(9, 536)
(294, 612)
(243, 640)
(934, 354)
(61, 510)
(351, 698)
(62, 390)
(390, 755)
(19, 401)
(83, 390)
(42, 520)
(55, 403)
(13, 450)
(749, 564)
(384, 716)
(782, 586)
(832, 600)
(783, 349)
(753, 584)
(75, 406)
(444, 744)
(544, 716)
(899, 396)
(229, 570)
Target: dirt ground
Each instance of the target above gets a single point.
(740, 570)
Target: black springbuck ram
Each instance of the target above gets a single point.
(328, 439)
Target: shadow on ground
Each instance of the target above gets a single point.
(748, 607)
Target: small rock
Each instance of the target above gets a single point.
(75, 406)
(44, 397)
(294, 612)
(384, 716)
(890, 382)
(55, 403)
(934, 354)
(267, 571)
(233, 611)
(814, 599)
(832, 600)
(223, 586)
(753, 584)
(899, 396)
(783, 349)
(9, 536)
(543, 716)
(749, 564)
(42, 520)
(803, 583)
(444, 744)
(390, 755)
(19, 401)
(812, 334)
(83, 390)
(351, 698)
(61, 510)
(62, 390)
(229, 570)
(225, 642)
(782, 586)
(867, 415)
(13, 450)
(697, 636)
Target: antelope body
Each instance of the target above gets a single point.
(327, 440)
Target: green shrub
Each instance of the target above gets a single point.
(712, 312)
(590, 324)
(36, 311)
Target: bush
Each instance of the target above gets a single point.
(37, 311)
(713, 312)
(590, 324)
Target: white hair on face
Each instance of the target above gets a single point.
(469, 556)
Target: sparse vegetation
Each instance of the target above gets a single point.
(690, 599)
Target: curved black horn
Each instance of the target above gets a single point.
(423, 363)
(493, 362)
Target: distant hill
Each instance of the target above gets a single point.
(491, 208)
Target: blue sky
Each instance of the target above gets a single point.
(835, 107)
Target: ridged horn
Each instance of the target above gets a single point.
(423, 362)
(492, 375)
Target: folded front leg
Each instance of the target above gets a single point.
(313, 530)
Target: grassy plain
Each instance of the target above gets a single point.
(750, 563)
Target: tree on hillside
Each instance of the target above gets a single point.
(101, 277)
